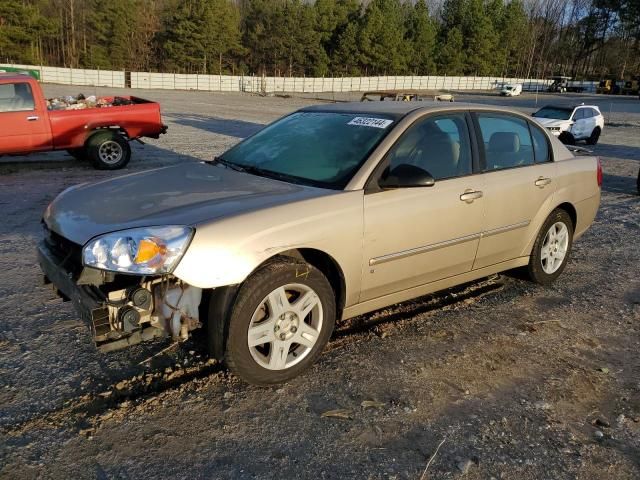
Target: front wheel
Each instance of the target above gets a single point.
(567, 138)
(108, 150)
(593, 138)
(552, 248)
(282, 319)
(77, 153)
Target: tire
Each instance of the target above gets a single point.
(593, 138)
(547, 261)
(78, 153)
(263, 303)
(567, 138)
(108, 150)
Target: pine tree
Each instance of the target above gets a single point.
(451, 60)
(421, 33)
(382, 44)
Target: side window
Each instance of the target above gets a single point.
(540, 144)
(16, 97)
(579, 114)
(507, 141)
(594, 113)
(439, 145)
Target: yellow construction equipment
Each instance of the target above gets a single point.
(608, 86)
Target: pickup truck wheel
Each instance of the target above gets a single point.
(593, 138)
(108, 150)
(282, 319)
(552, 248)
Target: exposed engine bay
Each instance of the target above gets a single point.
(154, 308)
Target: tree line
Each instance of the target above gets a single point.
(519, 38)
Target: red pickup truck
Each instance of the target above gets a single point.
(101, 135)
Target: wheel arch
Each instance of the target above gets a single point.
(94, 130)
(541, 217)
(324, 262)
(220, 300)
(571, 211)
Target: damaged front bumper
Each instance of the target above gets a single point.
(122, 310)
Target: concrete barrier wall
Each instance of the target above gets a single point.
(255, 84)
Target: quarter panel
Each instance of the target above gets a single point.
(577, 185)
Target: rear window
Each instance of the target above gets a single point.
(540, 144)
(16, 97)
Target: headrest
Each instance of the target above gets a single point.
(504, 142)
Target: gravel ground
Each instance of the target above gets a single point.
(508, 379)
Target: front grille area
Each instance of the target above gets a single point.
(68, 254)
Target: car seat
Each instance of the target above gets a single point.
(503, 150)
(22, 100)
(439, 153)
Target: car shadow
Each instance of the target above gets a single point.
(617, 151)
(619, 184)
(221, 126)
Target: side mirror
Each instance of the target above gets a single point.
(407, 176)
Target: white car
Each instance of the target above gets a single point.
(572, 123)
(511, 90)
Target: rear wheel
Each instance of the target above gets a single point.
(552, 248)
(593, 138)
(282, 319)
(108, 150)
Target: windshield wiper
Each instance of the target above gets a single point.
(222, 161)
(261, 172)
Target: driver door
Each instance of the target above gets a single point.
(579, 121)
(417, 235)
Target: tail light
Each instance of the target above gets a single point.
(599, 172)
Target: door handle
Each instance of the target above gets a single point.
(32, 118)
(542, 181)
(470, 195)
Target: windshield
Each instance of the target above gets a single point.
(554, 112)
(322, 149)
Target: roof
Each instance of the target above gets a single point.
(13, 76)
(569, 106)
(399, 109)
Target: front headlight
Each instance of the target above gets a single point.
(151, 250)
(554, 129)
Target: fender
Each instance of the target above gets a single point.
(225, 252)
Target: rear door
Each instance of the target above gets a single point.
(518, 180)
(24, 122)
(413, 236)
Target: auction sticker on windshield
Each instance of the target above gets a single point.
(371, 122)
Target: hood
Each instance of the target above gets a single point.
(553, 122)
(181, 195)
